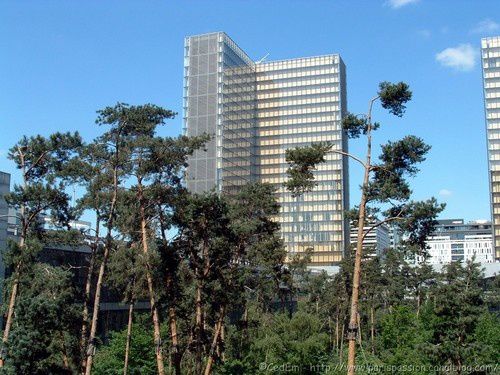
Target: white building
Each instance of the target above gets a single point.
(376, 240)
(490, 48)
(454, 240)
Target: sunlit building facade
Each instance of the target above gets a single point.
(453, 240)
(490, 48)
(255, 112)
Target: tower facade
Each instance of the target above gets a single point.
(254, 112)
(490, 53)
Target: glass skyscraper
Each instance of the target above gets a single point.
(254, 112)
(490, 48)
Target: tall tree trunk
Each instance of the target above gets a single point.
(129, 336)
(220, 344)
(337, 331)
(176, 353)
(176, 356)
(10, 313)
(215, 340)
(86, 297)
(199, 329)
(64, 350)
(149, 278)
(353, 324)
(102, 268)
(17, 271)
(97, 303)
(372, 328)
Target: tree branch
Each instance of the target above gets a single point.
(350, 155)
(397, 217)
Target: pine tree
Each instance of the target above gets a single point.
(458, 307)
(384, 183)
(107, 167)
(155, 167)
(44, 336)
(42, 162)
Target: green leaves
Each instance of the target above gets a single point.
(354, 125)
(401, 156)
(393, 97)
(44, 158)
(130, 120)
(399, 160)
(303, 161)
(418, 221)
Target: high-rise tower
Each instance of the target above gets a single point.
(257, 110)
(490, 48)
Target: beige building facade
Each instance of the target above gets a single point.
(258, 110)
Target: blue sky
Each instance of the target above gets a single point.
(60, 61)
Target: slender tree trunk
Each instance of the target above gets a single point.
(221, 345)
(102, 268)
(17, 271)
(337, 332)
(10, 312)
(176, 356)
(372, 328)
(149, 278)
(129, 336)
(199, 329)
(353, 324)
(215, 341)
(97, 304)
(86, 297)
(64, 352)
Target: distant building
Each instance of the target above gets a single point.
(395, 236)
(83, 226)
(454, 241)
(490, 48)
(376, 240)
(255, 111)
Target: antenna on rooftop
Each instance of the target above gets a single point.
(263, 59)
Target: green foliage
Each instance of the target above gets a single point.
(418, 220)
(44, 337)
(393, 97)
(109, 358)
(303, 161)
(279, 339)
(402, 339)
(354, 125)
(218, 259)
(487, 337)
(459, 305)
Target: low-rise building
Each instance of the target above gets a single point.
(453, 241)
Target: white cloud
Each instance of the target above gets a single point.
(395, 4)
(462, 57)
(486, 26)
(445, 192)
